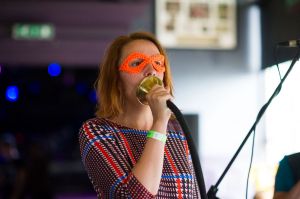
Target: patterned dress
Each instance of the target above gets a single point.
(109, 151)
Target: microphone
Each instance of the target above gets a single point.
(290, 43)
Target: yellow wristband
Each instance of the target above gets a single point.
(156, 135)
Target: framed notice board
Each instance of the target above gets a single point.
(199, 24)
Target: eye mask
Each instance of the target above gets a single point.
(136, 62)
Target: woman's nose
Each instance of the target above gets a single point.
(149, 70)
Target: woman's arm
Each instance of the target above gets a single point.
(148, 169)
(109, 171)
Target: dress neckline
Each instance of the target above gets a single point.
(120, 125)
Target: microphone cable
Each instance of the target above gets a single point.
(192, 147)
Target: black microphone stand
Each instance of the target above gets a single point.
(192, 147)
(214, 188)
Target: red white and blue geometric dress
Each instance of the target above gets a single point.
(109, 151)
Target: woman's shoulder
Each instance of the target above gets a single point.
(100, 121)
(98, 126)
(94, 121)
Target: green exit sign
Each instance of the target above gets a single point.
(33, 31)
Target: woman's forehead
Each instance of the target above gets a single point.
(142, 46)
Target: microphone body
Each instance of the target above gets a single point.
(290, 44)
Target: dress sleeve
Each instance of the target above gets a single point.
(284, 177)
(108, 170)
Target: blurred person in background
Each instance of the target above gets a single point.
(26, 177)
(287, 180)
(12, 170)
(131, 149)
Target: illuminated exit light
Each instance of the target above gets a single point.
(33, 31)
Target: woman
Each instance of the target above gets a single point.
(133, 150)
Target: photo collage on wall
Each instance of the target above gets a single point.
(202, 24)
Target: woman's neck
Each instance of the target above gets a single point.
(139, 117)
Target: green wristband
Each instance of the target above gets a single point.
(156, 135)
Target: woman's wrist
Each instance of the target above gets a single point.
(162, 137)
(160, 125)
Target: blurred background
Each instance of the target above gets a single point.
(50, 52)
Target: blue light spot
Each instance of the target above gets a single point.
(54, 69)
(12, 93)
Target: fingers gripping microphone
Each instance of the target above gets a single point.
(290, 43)
(141, 92)
(145, 86)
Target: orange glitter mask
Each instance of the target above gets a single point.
(136, 62)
